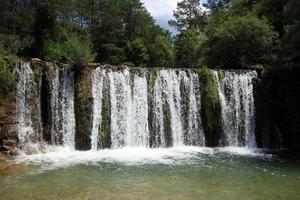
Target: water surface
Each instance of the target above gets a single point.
(139, 173)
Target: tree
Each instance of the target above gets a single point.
(239, 41)
(188, 14)
(161, 53)
(45, 15)
(273, 10)
(291, 40)
(16, 26)
(186, 46)
(214, 5)
(136, 52)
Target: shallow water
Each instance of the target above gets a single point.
(138, 173)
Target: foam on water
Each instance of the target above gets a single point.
(62, 157)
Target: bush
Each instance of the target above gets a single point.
(14, 43)
(186, 46)
(76, 51)
(7, 79)
(161, 53)
(239, 41)
(137, 52)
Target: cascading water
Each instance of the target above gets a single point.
(128, 109)
(130, 112)
(236, 95)
(195, 133)
(168, 104)
(136, 107)
(62, 108)
(28, 105)
(97, 107)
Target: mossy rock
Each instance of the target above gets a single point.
(105, 131)
(167, 124)
(83, 108)
(211, 107)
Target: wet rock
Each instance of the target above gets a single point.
(14, 152)
(83, 108)
(3, 162)
(2, 158)
(4, 148)
(10, 143)
(30, 150)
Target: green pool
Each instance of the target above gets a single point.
(137, 173)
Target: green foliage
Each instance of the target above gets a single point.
(136, 52)
(74, 50)
(240, 41)
(215, 5)
(161, 53)
(291, 41)
(188, 15)
(7, 79)
(186, 47)
(236, 33)
(273, 11)
(211, 107)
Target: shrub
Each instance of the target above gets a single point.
(239, 41)
(137, 52)
(76, 51)
(7, 79)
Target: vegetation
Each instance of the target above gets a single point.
(7, 75)
(77, 32)
(238, 41)
(219, 33)
(211, 107)
(7, 79)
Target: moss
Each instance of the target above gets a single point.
(211, 107)
(83, 109)
(221, 74)
(7, 75)
(154, 135)
(105, 132)
(153, 76)
(7, 79)
(167, 124)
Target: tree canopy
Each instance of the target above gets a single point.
(219, 33)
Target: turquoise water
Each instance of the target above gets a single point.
(182, 173)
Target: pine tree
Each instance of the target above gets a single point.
(188, 14)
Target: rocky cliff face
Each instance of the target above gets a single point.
(278, 109)
(83, 108)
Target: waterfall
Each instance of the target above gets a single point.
(62, 108)
(135, 107)
(129, 109)
(195, 133)
(28, 105)
(168, 103)
(238, 113)
(97, 106)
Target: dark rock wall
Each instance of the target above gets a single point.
(83, 108)
(277, 98)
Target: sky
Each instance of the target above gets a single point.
(162, 11)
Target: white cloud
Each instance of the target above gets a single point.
(162, 10)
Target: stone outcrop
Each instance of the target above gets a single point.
(83, 108)
(277, 96)
(8, 147)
